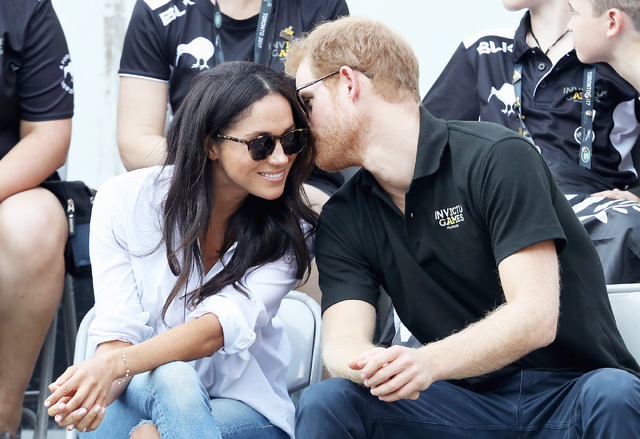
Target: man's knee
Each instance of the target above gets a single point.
(613, 390)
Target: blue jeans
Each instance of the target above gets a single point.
(173, 398)
(531, 404)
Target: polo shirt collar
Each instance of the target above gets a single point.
(520, 46)
(432, 141)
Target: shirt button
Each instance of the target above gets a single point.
(543, 84)
(411, 214)
(542, 66)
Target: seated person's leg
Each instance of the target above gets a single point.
(614, 227)
(33, 233)
(338, 408)
(170, 398)
(146, 431)
(608, 402)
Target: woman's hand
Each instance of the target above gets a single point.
(81, 419)
(78, 395)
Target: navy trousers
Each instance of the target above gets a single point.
(601, 404)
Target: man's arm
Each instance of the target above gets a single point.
(142, 109)
(42, 149)
(527, 321)
(347, 331)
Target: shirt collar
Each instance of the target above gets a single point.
(520, 46)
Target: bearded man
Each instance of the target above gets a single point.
(485, 262)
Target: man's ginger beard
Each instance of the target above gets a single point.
(339, 139)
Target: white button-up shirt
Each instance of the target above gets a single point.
(132, 281)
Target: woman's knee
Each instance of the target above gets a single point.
(145, 431)
(176, 381)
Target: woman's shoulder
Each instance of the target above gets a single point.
(129, 186)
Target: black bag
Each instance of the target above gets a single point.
(77, 200)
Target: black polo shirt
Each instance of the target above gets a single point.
(476, 84)
(172, 40)
(479, 194)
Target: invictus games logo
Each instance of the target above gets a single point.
(280, 49)
(67, 74)
(451, 217)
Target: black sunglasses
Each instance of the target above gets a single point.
(262, 147)
(303, 105)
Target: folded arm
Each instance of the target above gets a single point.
(42, 149)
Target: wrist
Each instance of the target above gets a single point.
(119, 365)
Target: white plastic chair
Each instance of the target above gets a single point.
(300, 316)
(625, 302)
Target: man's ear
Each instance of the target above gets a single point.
(352, 81)
(615, 18)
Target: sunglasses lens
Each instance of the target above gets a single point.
(294, 141)
(261, 148)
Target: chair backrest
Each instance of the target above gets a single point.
(300, 316)
(625, 302)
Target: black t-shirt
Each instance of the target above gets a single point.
(172, 40)
(476, 84)
(479, 193)
(36, 82)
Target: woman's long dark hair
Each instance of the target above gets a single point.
(265, 230)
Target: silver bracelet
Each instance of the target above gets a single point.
(126, 363)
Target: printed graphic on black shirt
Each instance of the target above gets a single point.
(67, 74)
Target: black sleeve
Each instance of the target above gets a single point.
(452, 95)
(45, 78)
(344, 272)
(142, 52)
(517, 195)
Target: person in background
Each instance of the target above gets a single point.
(466, 229)
(531, 81)
(190, 263)
(36, 106)
(608, 31)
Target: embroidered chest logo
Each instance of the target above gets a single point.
(280, 49)
(200, 48)
(574, 94)
(507, 95)
(450, 217)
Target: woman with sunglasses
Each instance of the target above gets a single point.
(190, 262)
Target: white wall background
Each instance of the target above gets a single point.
(95, 31)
